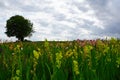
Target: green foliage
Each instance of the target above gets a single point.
(19, 27)
(95, 60)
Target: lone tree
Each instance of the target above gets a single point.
(19, 27)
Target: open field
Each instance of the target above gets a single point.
(70, 60)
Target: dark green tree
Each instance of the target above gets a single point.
(19, 27)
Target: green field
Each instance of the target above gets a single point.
(69, 60)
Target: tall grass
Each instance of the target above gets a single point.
(71, 60)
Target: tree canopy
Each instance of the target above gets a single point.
(19, 27)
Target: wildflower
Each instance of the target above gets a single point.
(17, 76)
(46, 43)
(93, 42)
(21, 48)
(78, 40)
(17, 49)
(88, 49)
(75, 67)
(18, 46)
(106, 49)
(113, 40)
(50, 57)
(31, 71)
(66, 48)
(75, 53)
(83, 43)
(13, 54)
(75, 47)
(18, 72)
(100, 45)
(69, 53)
(36, 54)
(118, 62)
(58, 59)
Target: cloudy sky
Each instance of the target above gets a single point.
(64, 19)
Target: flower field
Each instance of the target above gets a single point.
(70, 60)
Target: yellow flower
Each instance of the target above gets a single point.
(18, 46)
(69, 53)
(36, 54)
(51, 57)
(118, 62)
(18, 72)
(75, 53)
(75, 67)
(17, 49)
(46, 44)
(16, 78)
(58, 59)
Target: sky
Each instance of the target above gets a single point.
(64, 19)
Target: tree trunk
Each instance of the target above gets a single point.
(21, 39)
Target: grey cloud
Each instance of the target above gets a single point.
(107, 11)
(36, 6)
(59, 16)
(29, 8)
(43, 23)
(101, 9)
(113, 28)
(17, 5)
(98, 3)
(8, 4)
(80, 6)
(2, 5)
(58, 28)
